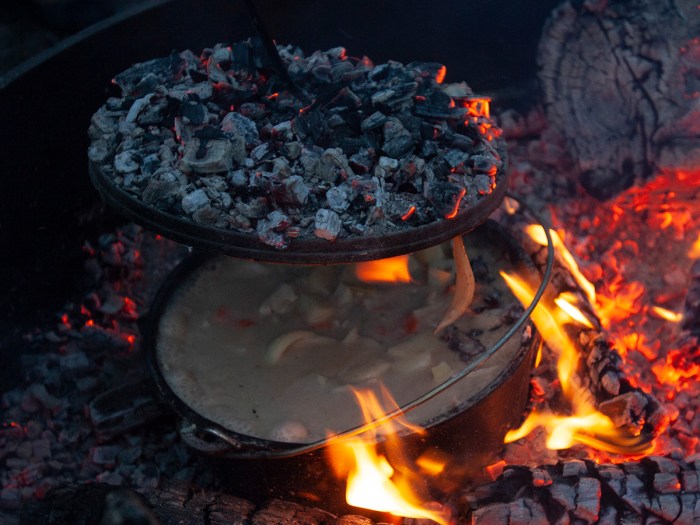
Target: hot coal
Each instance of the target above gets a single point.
(220, 140)
(83, 411)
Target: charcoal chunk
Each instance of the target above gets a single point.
(445, 197)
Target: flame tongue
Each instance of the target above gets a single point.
(391, 270)
(586, 425)
(373, 481)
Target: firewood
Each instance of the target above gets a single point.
(626, 493)
(620, 85)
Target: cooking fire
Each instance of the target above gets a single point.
(365, 328)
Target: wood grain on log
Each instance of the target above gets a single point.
(621, 83)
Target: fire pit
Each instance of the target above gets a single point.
(633, 324)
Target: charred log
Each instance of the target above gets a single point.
(655, 490)
(691, 316)
(90, 504)
(620, 84)
(174, 502)
(600, 367)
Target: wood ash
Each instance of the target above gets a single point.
(218, 139)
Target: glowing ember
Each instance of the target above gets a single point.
(373, 482)
(408, 214)
(391, 270)
(455, 209)
(478, 107)
(496, 469)
(678, 368)
(440, 76)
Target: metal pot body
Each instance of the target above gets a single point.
(470, 436)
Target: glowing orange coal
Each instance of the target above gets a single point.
(455, 209)
(478, 107)
(391, 270)
(441, 74)
(679, 368)
(384, 482)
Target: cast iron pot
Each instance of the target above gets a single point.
(49, 204)
(50, 208)
(472, 434)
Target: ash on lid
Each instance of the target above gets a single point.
(218, 140)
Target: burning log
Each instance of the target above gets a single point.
(620, 84)
(608, 412)
(653, 490)
(572, 491)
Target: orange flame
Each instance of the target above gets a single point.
(391, 270)
(668, 315)
(373, 481)
(586, 425)
(625, 299)
(548, 323)
(694, 252)
(536, 233)
(565, 302)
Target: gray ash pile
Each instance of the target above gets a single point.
(350, 149)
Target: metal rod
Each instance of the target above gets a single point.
(271, 48)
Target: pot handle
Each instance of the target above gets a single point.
(206, 439)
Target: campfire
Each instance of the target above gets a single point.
(592, 416)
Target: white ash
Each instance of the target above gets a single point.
(184, 118)
(53, 430)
